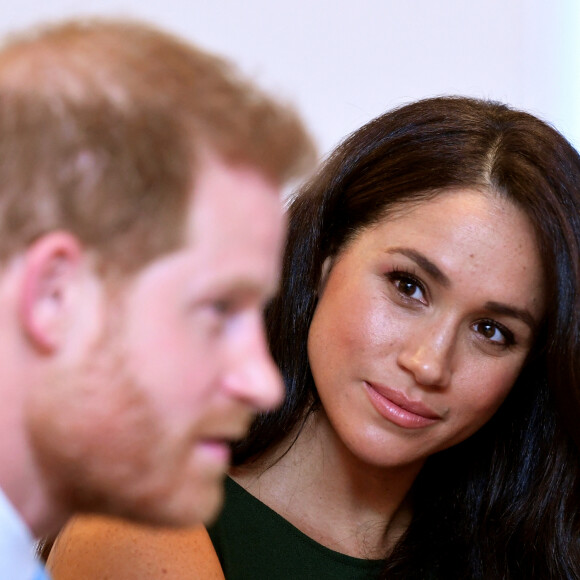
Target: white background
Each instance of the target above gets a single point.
(343, 62)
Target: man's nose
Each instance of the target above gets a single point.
(253, 376)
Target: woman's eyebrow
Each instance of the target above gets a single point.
(435, 272)
(424, 263)
(519, 313)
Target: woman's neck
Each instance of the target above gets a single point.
(329, 494)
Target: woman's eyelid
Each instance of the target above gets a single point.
(512, 337)
(405, 274)
(509, 336)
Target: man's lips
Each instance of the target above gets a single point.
(224, 438)
(215, 449)
(396, 407)
(218, 442)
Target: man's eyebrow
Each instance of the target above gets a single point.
(424, 263)
(244, 288)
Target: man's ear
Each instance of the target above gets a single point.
(51, 269)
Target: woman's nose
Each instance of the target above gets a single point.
(427, 352)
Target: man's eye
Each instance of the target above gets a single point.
(222, 307)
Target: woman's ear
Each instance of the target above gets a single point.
(52, 265)
(324, 271)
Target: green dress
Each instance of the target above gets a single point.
(253, 542)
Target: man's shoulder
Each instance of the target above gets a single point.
(17, 546)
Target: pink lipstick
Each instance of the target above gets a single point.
(398, 409)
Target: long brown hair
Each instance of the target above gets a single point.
(504, 503)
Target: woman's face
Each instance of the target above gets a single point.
(423, 324)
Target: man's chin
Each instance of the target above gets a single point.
(180, 509)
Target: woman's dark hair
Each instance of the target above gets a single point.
(505, 503)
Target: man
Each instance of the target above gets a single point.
(141, 237)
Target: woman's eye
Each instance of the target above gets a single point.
(408, 286)
(495, 333)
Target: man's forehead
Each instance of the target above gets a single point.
(232, 203)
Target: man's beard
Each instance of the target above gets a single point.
(84, 421)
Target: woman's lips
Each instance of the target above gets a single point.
(396, 408)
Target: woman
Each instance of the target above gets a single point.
(427, 329)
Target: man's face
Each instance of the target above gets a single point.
(141, 427)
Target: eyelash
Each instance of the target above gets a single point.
(222, 307)
(509, 338)
(398, 275)
(401, 275)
